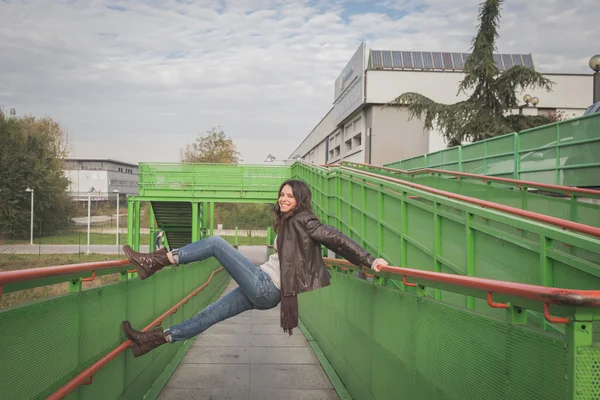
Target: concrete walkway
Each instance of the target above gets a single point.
(249, 357)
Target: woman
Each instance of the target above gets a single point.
(296, 267)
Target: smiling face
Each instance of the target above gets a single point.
(286, 201)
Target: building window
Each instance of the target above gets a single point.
(357, 140)
(337, 151)
(348, 145)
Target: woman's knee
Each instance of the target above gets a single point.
(217, 241)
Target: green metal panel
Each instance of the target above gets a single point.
(563, 153)
(567, 208)
(386, 344)
(47, 343)
(210, 181)
(502, 247)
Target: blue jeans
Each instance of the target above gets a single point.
(256, 289)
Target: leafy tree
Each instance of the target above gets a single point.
(484, 113)
(216, 147)
(244, 215)
(213, 147)
(31, 155)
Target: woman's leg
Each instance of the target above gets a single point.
(238, 266)
(265, 296)
(242, 270)
(232, 304)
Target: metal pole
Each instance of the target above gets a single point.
(89, 220)
(596, 86)
(31, 239)
(117, 219)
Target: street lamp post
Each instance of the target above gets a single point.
(528, 99)
(595, 66)
(31, 236)
(89, 217)
(117, 192)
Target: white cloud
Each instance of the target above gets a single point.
(139, 84)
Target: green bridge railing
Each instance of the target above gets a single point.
(388, 340)
(389, 335)
(563, 153)
(47, 343)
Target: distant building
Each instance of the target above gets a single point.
(358, 128)
(102, 176)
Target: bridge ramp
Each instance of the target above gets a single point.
(248, 357)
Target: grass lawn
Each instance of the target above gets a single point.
(10, 262)
(80, 238)
(106, 238)
(246, 241)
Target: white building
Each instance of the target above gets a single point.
(358, 128)
(102, 176)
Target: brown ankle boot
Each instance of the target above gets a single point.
(147, 263)
(143, 342)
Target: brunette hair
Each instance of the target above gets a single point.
(303, 198)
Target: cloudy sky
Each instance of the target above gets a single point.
(138, 80)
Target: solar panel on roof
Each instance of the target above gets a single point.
(508, 62)
(437, 61)
(447, 58)
(376, 59)
(527, 60)
(427, 61)
(397, 59)
(387, 59)
(440, 60)
(457, 60)
(417, 59)
(498, 61)
(517, 59)
(407, 59)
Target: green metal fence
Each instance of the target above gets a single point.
(46, 343)
(563, 153)
(387, 344)
(570, 207)
(416, 229)
(183, 195)
(392, 341)
(211, 182)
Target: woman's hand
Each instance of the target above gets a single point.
(377, 263)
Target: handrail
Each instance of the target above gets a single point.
(543, 294)
(519, 183)
(575, 226)
(47, 272)
(88, 373)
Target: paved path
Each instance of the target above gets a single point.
(248, 357)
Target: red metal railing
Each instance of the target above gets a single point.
(568, 190)
(542, 294)
(86, 377)
(47, 272)
(574, 226)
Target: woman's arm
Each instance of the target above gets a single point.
(337, 242)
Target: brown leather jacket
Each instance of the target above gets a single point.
(299, 246)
